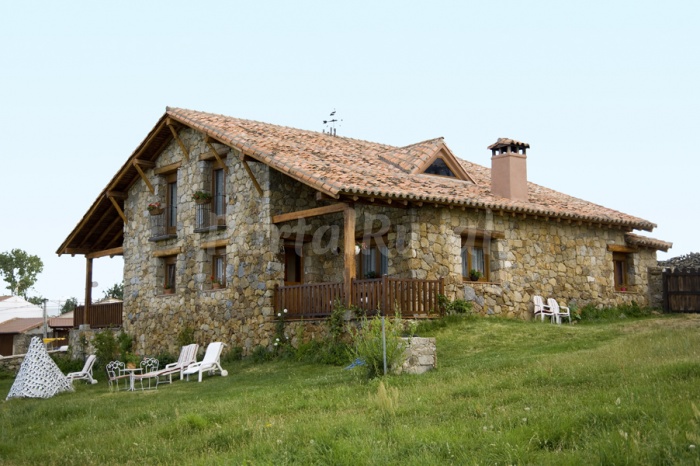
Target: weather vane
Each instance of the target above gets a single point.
(330, 124)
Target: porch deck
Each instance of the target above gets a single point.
(411, 297)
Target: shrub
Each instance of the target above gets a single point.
(458, 306)
(106, 347)
(185, 336)
(592, 313)
(234, 354)
(261, 354)
(367, 341)
(66, 363)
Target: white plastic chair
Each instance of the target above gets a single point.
(541, 308)
(209, 363)
(559, 311)
(86, 373)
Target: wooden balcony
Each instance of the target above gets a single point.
(411, 297)
(99, 315)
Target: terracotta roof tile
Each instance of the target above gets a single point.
(20, 324)
(647, 242)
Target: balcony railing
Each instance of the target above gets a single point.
(99, 315)
(411, 297)
(211, 215)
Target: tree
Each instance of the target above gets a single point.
(19, 269)
(117, 291)
(38, 300)
(69, 305)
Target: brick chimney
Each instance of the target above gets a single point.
(509, 169)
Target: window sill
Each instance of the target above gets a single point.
(155, 239)
(215, 289)
(469, 282)
(210, 229)
(167, 294)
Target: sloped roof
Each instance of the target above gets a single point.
(647, 242)
(336, 166)
(21, 324)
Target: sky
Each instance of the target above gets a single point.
(607, 94)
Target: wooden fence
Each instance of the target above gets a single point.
(681, 288)
(412, 297)
(99, 315)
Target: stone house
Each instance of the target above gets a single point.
(223, 222)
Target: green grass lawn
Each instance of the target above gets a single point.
(505, 392)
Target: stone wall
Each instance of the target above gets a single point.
(237, 314)
(420, 355)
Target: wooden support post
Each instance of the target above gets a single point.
(137, 165)
(216, 154)
(119, 209)
(88, 289)
(176, 136)
(251, 175)
(349, 272)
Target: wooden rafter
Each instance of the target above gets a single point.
(176, 136)
(107, 252)
(316, 211)
(118, 237)
(218, 158)
(107, 230)
(143, 163)
(119, 209)
(250, 174)
(94, 227)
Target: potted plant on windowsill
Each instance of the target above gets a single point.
(475, 275)
(215, 283)
(154, 208)
(168, 288)
(202, 197)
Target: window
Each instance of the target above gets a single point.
(218, 266)
(439, 167)
(169, 273)
(219, 188)
(373, 261)
(171, 204)
(475, 257)
(620, 271)
(293, 267)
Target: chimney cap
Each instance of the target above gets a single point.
(505, 142)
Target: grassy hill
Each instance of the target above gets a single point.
(505, 392)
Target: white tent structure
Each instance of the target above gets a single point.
(39, 376)
(12, 307)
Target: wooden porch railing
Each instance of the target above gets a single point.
(412, 297)
(308, 300)
(100, 315)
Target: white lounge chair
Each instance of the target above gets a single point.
(86, 373)
(188, 355)
(558, 311)
(541, 308)
(209, 363)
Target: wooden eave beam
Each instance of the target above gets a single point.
(251, 175)
(176, 136)
(216, 155)
(119, 209)
(107, 252)
(329, 209)
(167, 169)
(137, 165)
(75, 251)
